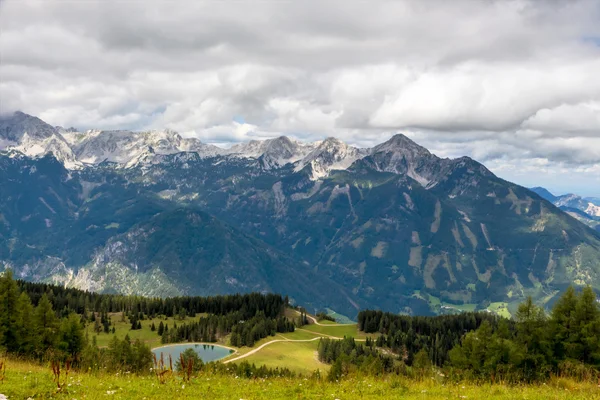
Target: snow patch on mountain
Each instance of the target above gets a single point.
(128, 148)
(273, 153)
(330, 154)
(593, 209)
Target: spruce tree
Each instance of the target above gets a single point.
(25, 325)
(71, 332)
(9, 294)
(587, 325)
(46, 324)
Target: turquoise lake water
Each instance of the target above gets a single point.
(207, 352)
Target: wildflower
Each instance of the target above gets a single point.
(110, 392)
(183, 386)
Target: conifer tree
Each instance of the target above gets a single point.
(46, 324)
(9, 294)
(71, 332)
(25, 325)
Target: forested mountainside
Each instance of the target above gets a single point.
(392, 227)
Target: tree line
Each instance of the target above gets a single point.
(566, 342)
(213, 327)
(532, 346)
(66, 300)
(407, 335)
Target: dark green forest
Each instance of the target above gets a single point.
(532, 346)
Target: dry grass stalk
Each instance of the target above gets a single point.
(57, 372)
(186, 367)
(2, 369)
(160, 369)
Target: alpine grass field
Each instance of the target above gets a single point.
(25, 380)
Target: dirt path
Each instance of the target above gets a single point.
(314, 320)
(320, 336)
(319, 333)
(268, 343)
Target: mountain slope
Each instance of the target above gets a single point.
(94, 230)
(392, 227)
(586, 210)
(459, 234)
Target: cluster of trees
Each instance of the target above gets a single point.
(35, 331)
(120, 355)
(347, 355)
(213, 327)
(101, 324)
(406, 335)
(531, 346)
(565, 342)
(246, 370)
(245, 333)
(324, 317)
(67, 300)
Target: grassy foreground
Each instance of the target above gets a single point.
(24, 380)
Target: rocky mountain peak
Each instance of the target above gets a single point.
(13, 127)
(330, 154)
(399, 143)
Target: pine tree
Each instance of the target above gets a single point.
(25, 325)
(587, 325)
(9, 294)
(46, 324)
(563, 323)
(71, 332)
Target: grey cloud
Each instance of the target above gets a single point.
(500, 81)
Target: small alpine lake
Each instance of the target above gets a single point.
(207, 351)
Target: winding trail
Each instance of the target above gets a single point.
(314, 320)
(268, 343)
(320, 336)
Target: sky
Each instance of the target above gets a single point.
(513, 84)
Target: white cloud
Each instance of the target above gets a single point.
(567, 119)
(507, 82)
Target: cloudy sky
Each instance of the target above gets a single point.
(515, 85)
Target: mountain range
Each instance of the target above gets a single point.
(585, 209)
(331, 225)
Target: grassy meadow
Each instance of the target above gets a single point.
(123, 328)
(25, 380)
(300, 357)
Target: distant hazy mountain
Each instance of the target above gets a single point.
(331, 225)
(585, 209)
